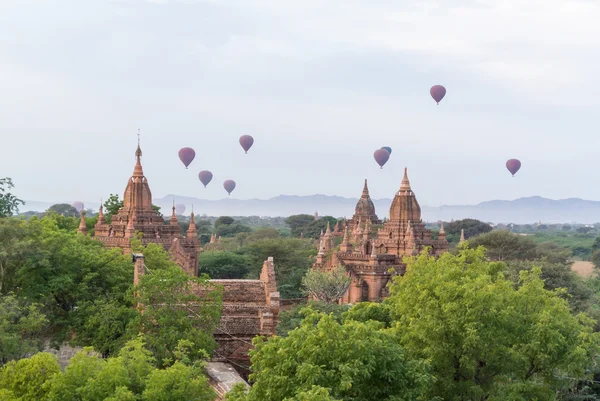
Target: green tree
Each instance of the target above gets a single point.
(485, 338)
(472, 227)
(298, 222)
(28, 379)
(292, 318)
(292, 260)
(111, 207)
(328, 286)
(314, 229)
(262, 233)
(177, 307)
(555, 276)
(15, 249)
(63, 209)
(9, 203)
(354, 361)
(223, 265)
(64, 270)
(130, 376)
(365, 311)
(21, 328)
(502, 245)
(178, 382)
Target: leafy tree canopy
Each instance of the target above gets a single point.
(485, 338)
(63, 209)
(223, 265)
(9, 203)
(292, 260)
(328, 360)
(472, 227)
(326, 286)
(130, 376)
(21, 328)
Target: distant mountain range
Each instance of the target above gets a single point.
(519, 211)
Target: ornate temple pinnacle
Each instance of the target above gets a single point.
(405, 185)
(365, 192)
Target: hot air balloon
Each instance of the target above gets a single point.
(229, 186)
(437, 93)
(187, 155)
(513, 165)
(381, 156)
(246, 141)
(205, 177)
(388, 149)
(179, 209)
(78, 206)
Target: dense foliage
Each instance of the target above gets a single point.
(9, 203)
(349, 361)
(485, 338)
(130, 376)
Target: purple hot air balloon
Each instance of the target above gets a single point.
(187, 155)
(437, 93)
(229, 186)
(205, 177)
(381, 156)
(513, 165)
(180, 209)
(246, 141)
(78, 206)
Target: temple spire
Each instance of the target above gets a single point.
(365, 192)
(192, 232)
(405, 185)
(82, 227)
(173, 216)
(328, 230)
(462, 236)
(137, 171)
(101, 214)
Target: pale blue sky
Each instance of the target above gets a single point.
(320, 84)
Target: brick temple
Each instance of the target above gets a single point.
(138, 216)
(369, 255)
(250, 307)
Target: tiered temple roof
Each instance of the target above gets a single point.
(368, 256)
(137, 215)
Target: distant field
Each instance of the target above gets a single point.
(584, 269)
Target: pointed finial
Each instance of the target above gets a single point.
(365, 192)
(328, 230)
(405, 185)
(442, 229)
(462, 236)
(82, 227)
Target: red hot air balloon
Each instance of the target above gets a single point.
(78, 206)
(187, 155)
(513, 165)
(180, 209)
(437, 93)
(246, 141)
(381, 156)
(229, 186)
(205, 177)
